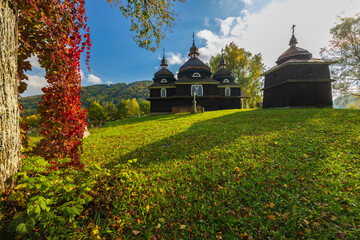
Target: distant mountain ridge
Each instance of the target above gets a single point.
(101, 93)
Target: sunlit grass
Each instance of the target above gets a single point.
(232, 174)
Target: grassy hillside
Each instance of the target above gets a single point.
(233, 174)
(101, 93)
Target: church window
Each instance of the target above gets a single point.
(200, 91)
(163, 92)
(227, 92)
(163, 81)
(196, 75)
(226, 81)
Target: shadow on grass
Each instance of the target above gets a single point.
(136, 120)
(216, 132)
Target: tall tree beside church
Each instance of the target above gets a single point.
(9, 111)
(344, 48)
(245, 67)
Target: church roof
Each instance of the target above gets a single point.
(194, 63)
(294, 53)
(222, 72)
(164, 72)
(160, 85)
(297, 62)
(223, 85)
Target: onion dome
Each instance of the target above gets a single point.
(194, 51)
(163, 61)
(222, 72)
(222, 63)
(294, 52)
(194, 63)
(163, 72)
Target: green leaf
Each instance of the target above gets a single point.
(21, 229)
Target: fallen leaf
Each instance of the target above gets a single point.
(271, 217)
(136, 232)
(340, 235)
(182, 226)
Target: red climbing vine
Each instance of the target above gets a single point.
(56, 32)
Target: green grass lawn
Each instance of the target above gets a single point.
(232, 174)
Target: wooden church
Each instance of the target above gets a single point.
(298, 80)
(172, 95)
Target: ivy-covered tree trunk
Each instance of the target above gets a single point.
(10, 145)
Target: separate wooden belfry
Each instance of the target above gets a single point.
(171, 95)
(298, 80)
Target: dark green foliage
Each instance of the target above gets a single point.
(114, 92)
(110, 112)
(95, 114)
(122, 110)
(97, 93)
(145, 108)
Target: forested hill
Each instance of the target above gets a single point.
(102, 93)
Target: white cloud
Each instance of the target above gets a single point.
(82, 75)
(206, 22)
(34, 61)
(94, 79)
(269, 30)
(247, 2)
(35, 84)
(175, 58)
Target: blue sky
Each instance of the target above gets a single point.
(259, 26)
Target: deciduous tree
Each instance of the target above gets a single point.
(150, 20)
(122, 110)
(95, 114)
(344, 48)
(9, 111)
(245, 67)
(145, 107)
(110, 111)
(133, 107)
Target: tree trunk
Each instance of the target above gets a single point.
(10, 145)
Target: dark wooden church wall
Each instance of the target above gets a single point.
(183, 90)
(209, 104)
(170, 92)
(210, 89)
(155, 92)
(235, 92)
(276, 97)
(305, 71)
(229, 103)
(316, 94)
(161, 105)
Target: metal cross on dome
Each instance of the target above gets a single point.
(293, 28)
